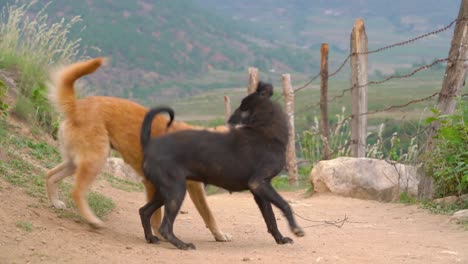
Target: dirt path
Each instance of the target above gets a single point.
(375, 233)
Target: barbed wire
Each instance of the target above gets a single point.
(405, 42)
(423, 67)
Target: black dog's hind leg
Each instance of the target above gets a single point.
(270, 220)
(264, 190)
(174, 194)
(145, 215)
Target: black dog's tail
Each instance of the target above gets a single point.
(148, 121)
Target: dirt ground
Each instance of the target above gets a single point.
(373, 233)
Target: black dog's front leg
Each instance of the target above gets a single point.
(270, 220)
(265, 191)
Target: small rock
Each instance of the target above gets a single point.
(61, 229)
(183, 212)
(43, 242)
(128, 247)
(246, 259)
(32, 248)
(461, 215)
(447, 200)
(18, 239)
(464, 197)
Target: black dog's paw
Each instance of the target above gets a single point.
(152, 240)
(285, 240)
(298, 232)
(186, 246)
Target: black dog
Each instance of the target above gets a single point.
(245, 158)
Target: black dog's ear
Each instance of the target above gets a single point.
(264, 89)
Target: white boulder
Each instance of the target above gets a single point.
(365, 178)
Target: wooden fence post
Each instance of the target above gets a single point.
(359, 89)
(253, 80)
(291, 164)
(227, 108)
(454, 80)
(455, 72)
(323, 99)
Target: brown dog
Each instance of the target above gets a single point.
(94, 125)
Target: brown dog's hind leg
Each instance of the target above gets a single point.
(197, 194)
(54, 176)
(86, 172)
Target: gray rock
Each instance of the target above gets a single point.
(461, 215)
(365, 178)
(118, 168)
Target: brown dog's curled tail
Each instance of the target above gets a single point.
(62, 90)
(148, 121)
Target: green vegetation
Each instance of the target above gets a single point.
(447, 162)
(24, 167)
(24, 225)
(407, 199)
(123, 185)
(442, 208)
(28, 46)
(3, 106)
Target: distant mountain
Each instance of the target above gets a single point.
(155, 43)
(296, 21)
(175, 48)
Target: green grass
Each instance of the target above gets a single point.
(123, 185)
(28, 46)
(47, 155)
(25, 225)
(442, 208)
(406, 199)
(100, 204)
(3, 106)
(19, 171)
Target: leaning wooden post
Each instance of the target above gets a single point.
(227, 108)
(253, 80)
(291, 164)
(323, 99)
(455, 72)
(359, 89)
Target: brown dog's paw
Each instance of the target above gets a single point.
(98, 224)
(223, 237)
(298, 232)
(59, 204)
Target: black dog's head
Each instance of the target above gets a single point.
(253, 105)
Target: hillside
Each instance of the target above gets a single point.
(156, 44)
(171, 49)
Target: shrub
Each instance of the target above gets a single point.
(3, 106)
(30, 44)
(378, 147)
(447, 162)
